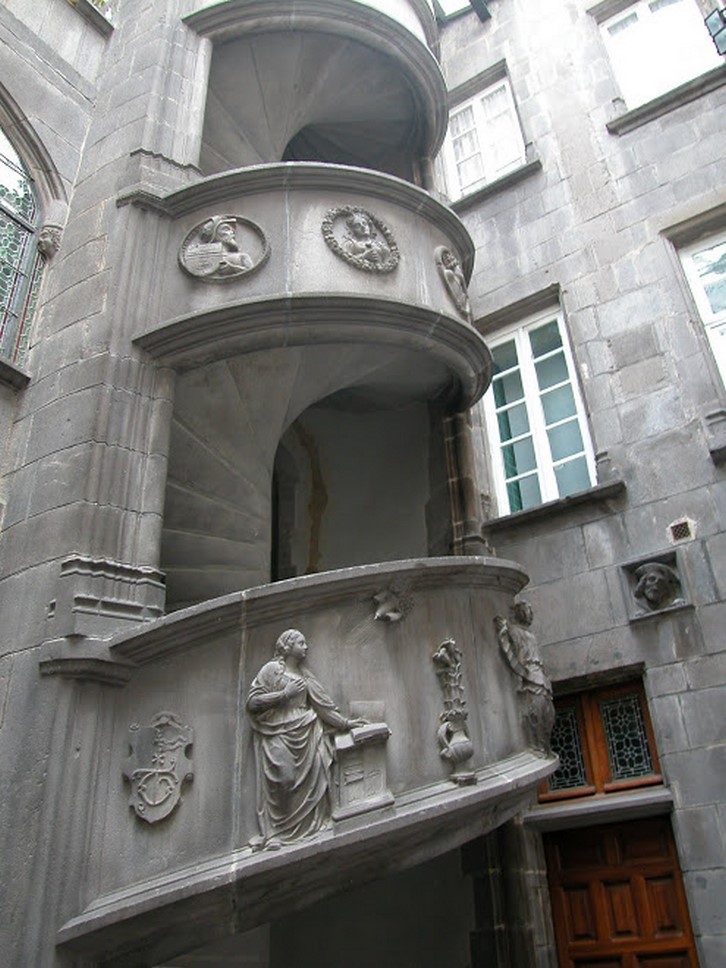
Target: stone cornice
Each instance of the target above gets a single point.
(152, 916)
(223, 22)
(191, 627)
(307, 176)
(313, 319)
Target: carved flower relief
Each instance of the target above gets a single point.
(224, 247)
(360, 239)
(453, 278)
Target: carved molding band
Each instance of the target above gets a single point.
(354, 235)
(224, 247)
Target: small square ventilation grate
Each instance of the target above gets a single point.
(681, 530)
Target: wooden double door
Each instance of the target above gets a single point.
(617, 897)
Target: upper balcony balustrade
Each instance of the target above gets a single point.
(340, 81)
(324, 255)
(303, 292)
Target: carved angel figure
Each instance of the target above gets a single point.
(288, 708)
(520, 649)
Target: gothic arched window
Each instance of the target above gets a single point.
(20, 260)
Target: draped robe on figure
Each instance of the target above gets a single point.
(293, 753)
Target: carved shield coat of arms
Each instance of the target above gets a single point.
(158, 766)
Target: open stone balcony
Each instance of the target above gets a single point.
(444, 755)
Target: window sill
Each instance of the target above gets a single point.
(605, 808)
(593, 495)
(715, 426)
(93, 15)
(13, 377)
(669, 101)
(498, 185)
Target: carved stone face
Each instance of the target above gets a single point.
(298, 648)
(655, 588)
(359, 226)
(225, 234)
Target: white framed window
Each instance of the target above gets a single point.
(705, 267)
(656, 45)
(484, 140)
(535, 417)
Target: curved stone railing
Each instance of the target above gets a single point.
(412, 646)
(298, 274)
(403, 30)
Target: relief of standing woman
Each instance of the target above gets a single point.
(292, 716)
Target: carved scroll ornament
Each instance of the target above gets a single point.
(360, 239)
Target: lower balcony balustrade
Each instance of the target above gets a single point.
(279, 744)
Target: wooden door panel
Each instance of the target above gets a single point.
(621, 910)
(617, 897)
(581, 920)
(665, 906)
(674, 960)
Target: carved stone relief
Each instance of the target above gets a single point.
(359, 773)
(224, 247)
(653, 586)
(158, 766)
(453, 278)
(520, 649)
(455, 746)
(392, 604)
(49, 240)
(294, 754)
(360, 239)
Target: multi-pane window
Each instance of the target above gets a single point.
(705, 266)
(535, 417)
(605, 743)
(655, 45)
(484, 140)
(20, 261)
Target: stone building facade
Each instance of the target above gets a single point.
(261, 261)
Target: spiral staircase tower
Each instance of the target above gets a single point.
(269, 430)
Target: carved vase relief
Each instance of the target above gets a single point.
(223, 247)
(158, 766)
(293, 721)
(455, 746)
(453, 278)
(360, 239)
(520, 649)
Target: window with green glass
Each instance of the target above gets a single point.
(20, 261)
(536, 417)
(705, 265)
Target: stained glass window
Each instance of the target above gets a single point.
(626, 738)
(566, 744)
(20, 261)
(605, 743)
